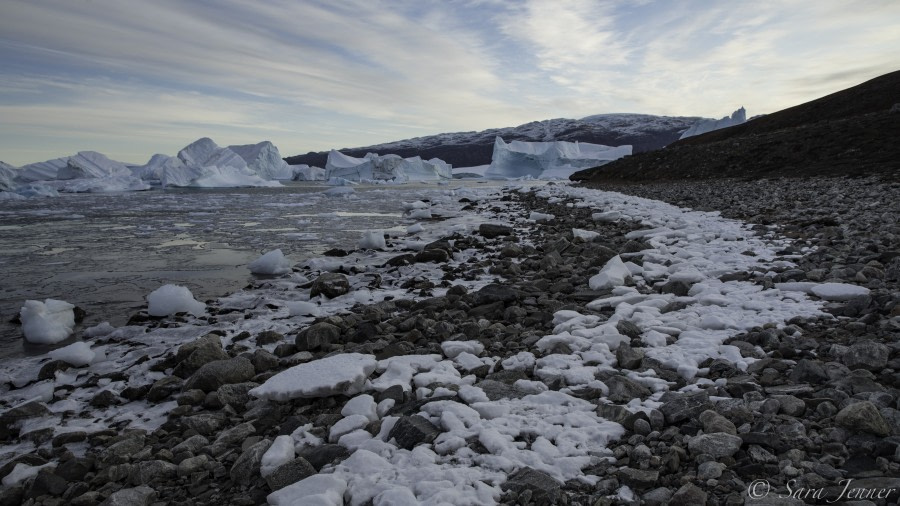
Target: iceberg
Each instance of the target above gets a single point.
(304, 172)
(91, 164)
(265, 160)
(203, 164)
(7, 174)
(152, 170)
(41, 171)
(548, 160)
(374, 167)
(708, 125)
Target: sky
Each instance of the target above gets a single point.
(131, 78)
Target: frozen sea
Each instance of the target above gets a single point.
(106, 252)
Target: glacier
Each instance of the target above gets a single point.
(708, 125)
(374, 167)
(548, 160)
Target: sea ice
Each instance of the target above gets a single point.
(272, 263)
(614, 273)
(316, 490)
(171, 299)
(47, 322)
(372, 239)
(78, 354)
(342, 374)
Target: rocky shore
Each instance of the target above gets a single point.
(493, 362)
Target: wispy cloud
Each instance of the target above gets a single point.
(130, 77)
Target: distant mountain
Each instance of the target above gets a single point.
(466, 149)
(853, 132)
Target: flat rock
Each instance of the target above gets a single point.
(863, 416)
(491, 231)
(866, 355)
(213, 375)
(314, 336)
(623, 389)
(410, 431)
(137, 496)
(544, 489)
(685, 406)
(638, 478)
(717, 445)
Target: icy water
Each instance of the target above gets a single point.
(106, 252)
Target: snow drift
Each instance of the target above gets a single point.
(548, 160)
(708, 125)
(374, 167)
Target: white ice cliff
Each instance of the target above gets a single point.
(548, 160)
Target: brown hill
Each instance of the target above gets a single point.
(854, 132)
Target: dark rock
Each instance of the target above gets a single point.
(150, 471)
(491, 231)
(808, 371)
(104, 398)
(263, 361)
(627, 328)
(717, 445)
(410, 431)
(330, 284)
(246, 469)
(47, 483)
(74, 469)
(628, 357)
(714, 422)
(290, 473)
(623, 389)
(213, 375)
(678, 288)
(10, 420)
(314, 336)
(236, 395)
(637, 478)
(164, 388)
(322, 455)
(138, 496)
(688, 495)
(496, 390)
(121, 452)
(685, 406)
(193, 355)
(48, 370)
(401, 260)
(863, 416)
(866, 355)
(657, 497)
(432, 255)
(494, 293)
(543, 488)
(204, 424)
(268, 337)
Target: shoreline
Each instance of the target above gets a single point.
(660, 451)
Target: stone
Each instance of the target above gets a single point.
(204, 424)
(710, 470)
(492, 293)
(164, 388)
(314, 336)
(121, 451)
(543, 488)
(629, 329)
(268, 337)
(790, 405)
(104, 399)
(289, 473)
(149, 471)
(10, 420)
(717, 445)
(137, 496)
(263, 361)
(192, 444)
(234, 435)
(322, 455)
(714, 422)
(657, 497)
(410, 431)
(688, 495)
(432, 255)
(74, 469)
(246, 468)
(865, 417)
(213, 375)
(808, 371)
(192, 465)
(623, 389)
(491, 231)
(47, 483)
(685, 406)
(193, 355)
(866, 355)
(638, 478)
(628, 357)
(496, 390)
(330, 284)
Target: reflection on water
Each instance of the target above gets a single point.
(105, 253)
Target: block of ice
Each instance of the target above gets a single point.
(839, 291)
(316, 490)
(47, 322)
(271, 263)
(386, 167)
(342, 374)
(584, 235)
(78, 354)
(171, 299)
(281, 452)
(372, 239)
(41, 171)
(613, 274)
(203, 164)
(548, 160)
(90, 164)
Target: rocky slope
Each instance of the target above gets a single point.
(467, 149)
(851, 132)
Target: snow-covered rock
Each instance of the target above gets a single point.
(272, 263)
(171, 299)
(386, 167)
(204, 164)
(304, 172)
(47, 322)
(708, 125)
(548, 160)
(342, 374)
(264, 159)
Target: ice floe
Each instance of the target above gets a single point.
(47, 322)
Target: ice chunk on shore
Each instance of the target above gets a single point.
(47, 322)
(613, 274)
(839, 291)
(78, 354)
(271, 263)
(708, 125)
(171, 299)
(281, 452)
(372, 239)
(342, 374)
(548, 160)
(317, 490)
